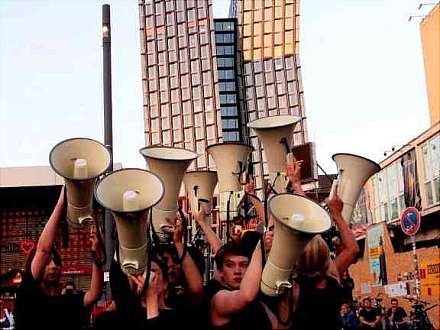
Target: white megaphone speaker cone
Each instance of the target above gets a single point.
(129, 194)
(80, 161)
(297, 220)
(353, 173)
(276, 135)
(231, 160)
(200, 185)
(170, 164)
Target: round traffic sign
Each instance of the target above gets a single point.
(410, 221)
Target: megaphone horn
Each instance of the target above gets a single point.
(353, 173)
(170, 164)
(129, 194)
(276, 134)
(297, 220)
(80, 161)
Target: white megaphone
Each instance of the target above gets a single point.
(353, 173)
(170, 164)
(80, 161)
(297, 220)
(276, 135)
(231, 161)
(129, 194)
(200, 185)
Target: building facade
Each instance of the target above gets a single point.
(179, 76)
(227, 69)
(430, 33)
(271, 71)
(409, 177)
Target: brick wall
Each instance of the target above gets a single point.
(396, 263)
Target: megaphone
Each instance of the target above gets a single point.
(80, 161)
(276, 135)
(353, 173)
(231, 161)
(297, 220)
(199, 185)
(129, 194)
(170, 164)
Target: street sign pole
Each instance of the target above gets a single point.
(416, 265)
(410, 224)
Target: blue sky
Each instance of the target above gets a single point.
(362, 71)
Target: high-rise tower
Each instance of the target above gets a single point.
(271, 70)
(179, 75)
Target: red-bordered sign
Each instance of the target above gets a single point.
(410, 221)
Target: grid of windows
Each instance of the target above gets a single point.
(181, 107)
(225, 37)
(271, 71)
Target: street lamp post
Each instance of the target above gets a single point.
(108, 130)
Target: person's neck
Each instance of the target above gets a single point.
(51, 289)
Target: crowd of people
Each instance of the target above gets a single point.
(172, 292)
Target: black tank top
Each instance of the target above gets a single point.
(318, 308)
(253, 316)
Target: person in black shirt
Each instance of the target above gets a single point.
(347, 288)
(396, 315)
(369, 316)
(233, 303)
(39, 303)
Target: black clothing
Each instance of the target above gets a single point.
(398, 315)
(318, 308)
(253, 316)
(369, 316)
(130, 313)
(35, 309)
(347, 290)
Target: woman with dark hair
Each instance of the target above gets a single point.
(39, 303)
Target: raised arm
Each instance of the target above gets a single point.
(225, 303)
(97, 280)
(350, 247)
(193, 278)
(213, 240)
(293, 171)
(47, 237)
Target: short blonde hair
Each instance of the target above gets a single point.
(316, 258)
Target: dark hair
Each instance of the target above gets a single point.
(366, 298)
(394, 299)
(71, 283)
(230, 248)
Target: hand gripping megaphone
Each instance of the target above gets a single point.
(80, 161)
(231, 161)
(129, 194)
(297, 220)
(170, 164)
(353, 173)
(276, 135)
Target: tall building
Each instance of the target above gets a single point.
(430, 32)
(271, 70)
(179, 75)
(231, 109)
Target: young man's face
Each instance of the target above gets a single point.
(394, 304)
(344, 310)
(173, 268)
(52, 273)
(233, 270)
(367, 303)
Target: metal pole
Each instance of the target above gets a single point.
(416, 265)
(108, 130)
